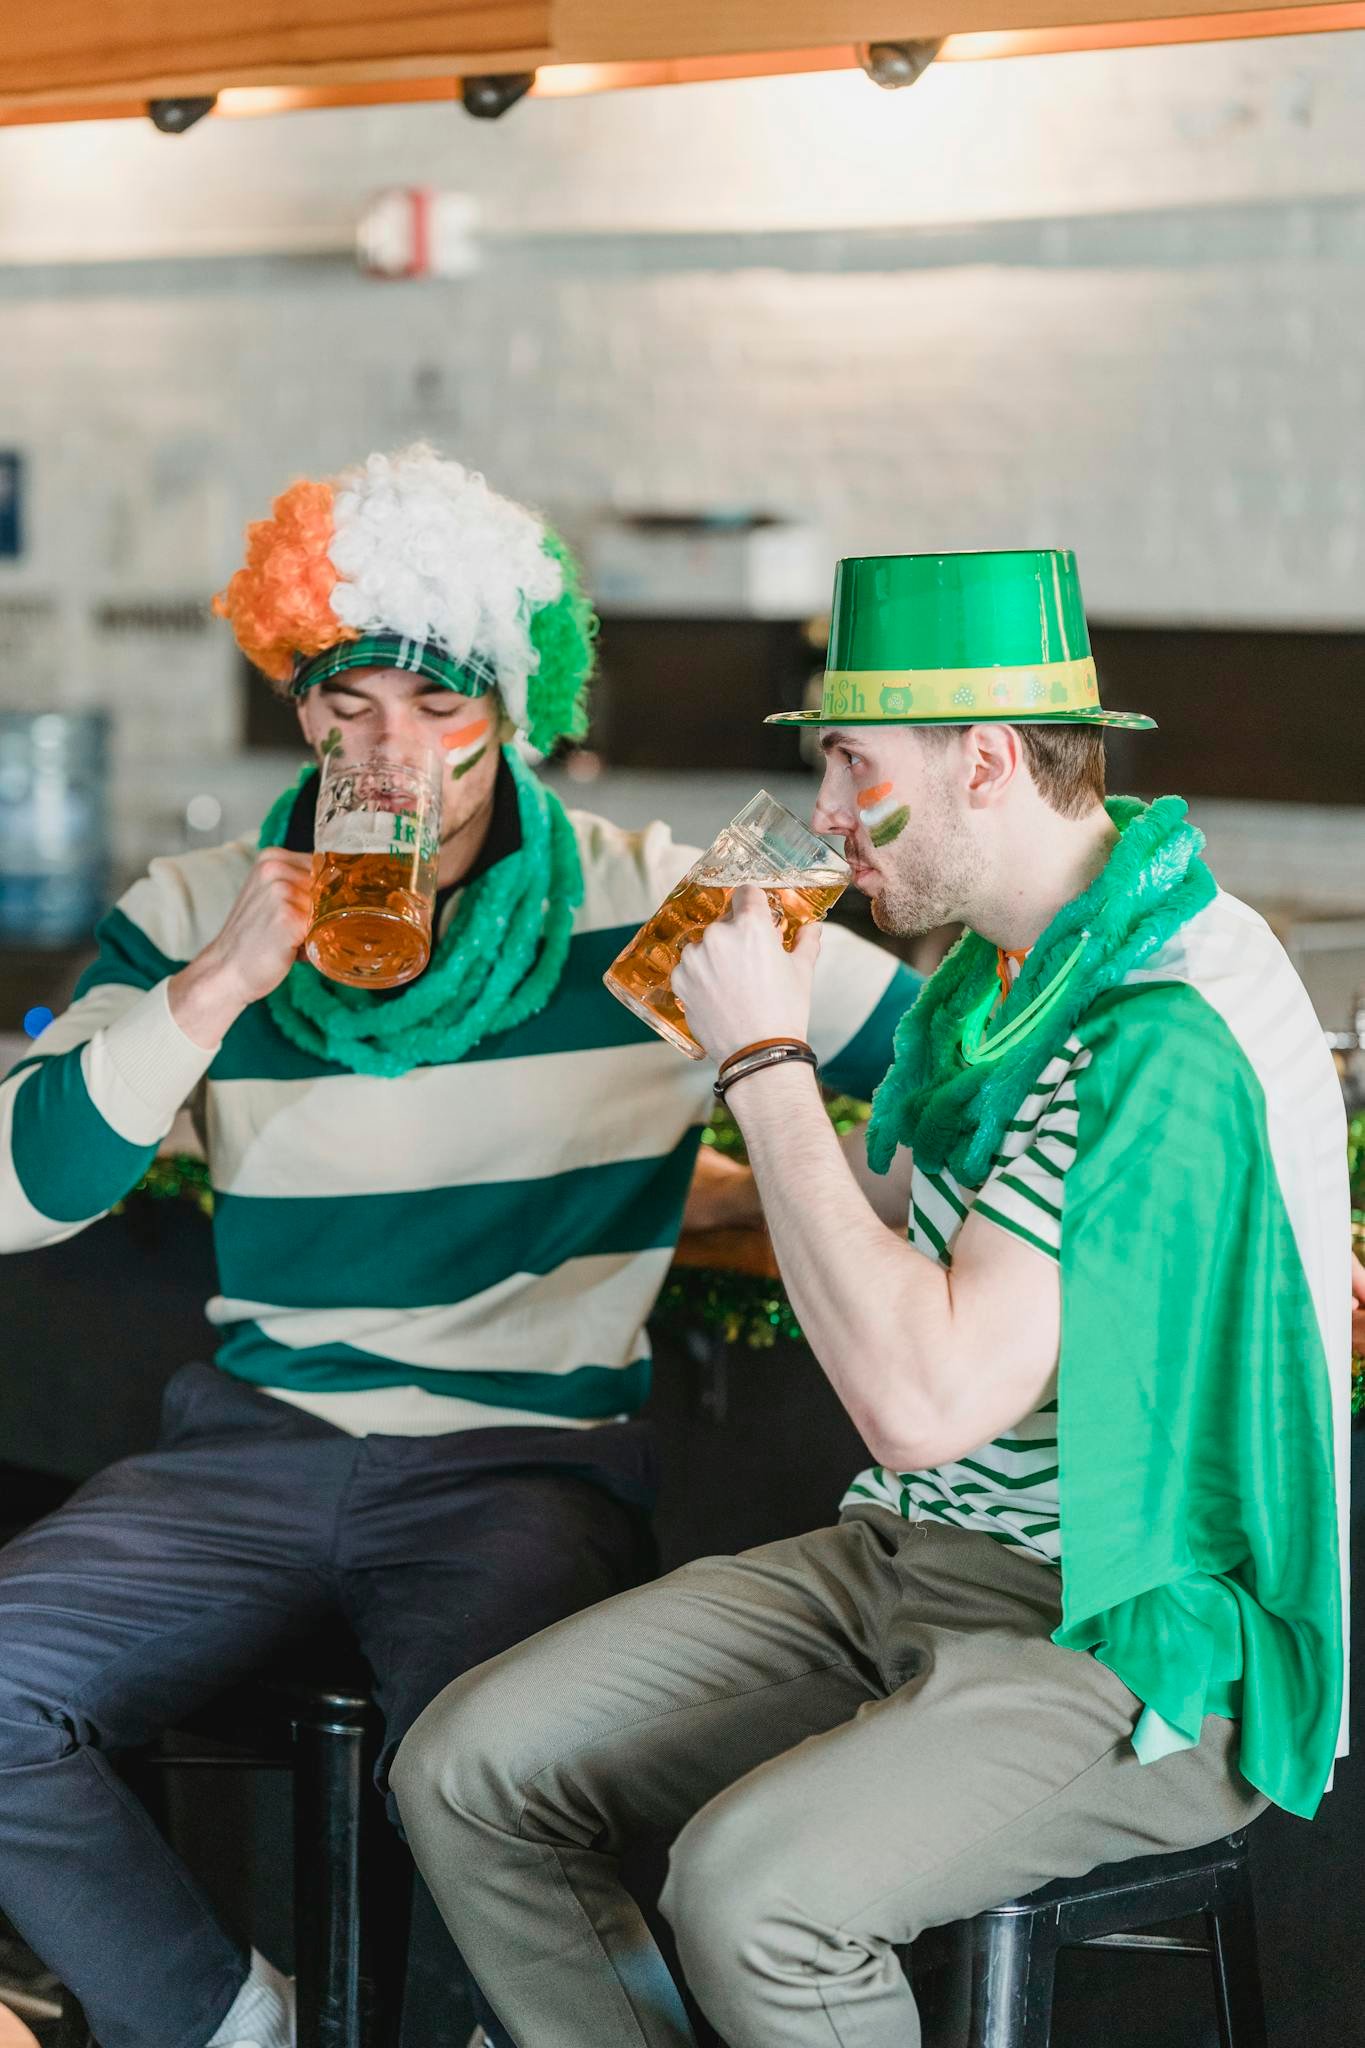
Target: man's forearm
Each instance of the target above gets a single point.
(876, 1313)
(205, 1000)
(929, 1361)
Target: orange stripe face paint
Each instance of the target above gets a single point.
(466, 745)
(883, 818)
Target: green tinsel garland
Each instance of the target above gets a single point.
(180, 1177)
(743, 1308)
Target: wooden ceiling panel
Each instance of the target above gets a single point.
(619, 31)
(624, 31)
(68, 59)
(63, 49)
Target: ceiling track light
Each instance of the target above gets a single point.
(488, 97)
(895, 65)
(173, 117)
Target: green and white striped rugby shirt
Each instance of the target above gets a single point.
(1008, 1488)
(466, 1245)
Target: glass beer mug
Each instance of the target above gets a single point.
(376, 844)
(801, 876)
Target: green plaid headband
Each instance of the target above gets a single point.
(474, 677)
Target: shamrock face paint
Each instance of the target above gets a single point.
(467, 745)
(881, 815)
(332, 744)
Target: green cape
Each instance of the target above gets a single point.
(1200, 1546)
(1200, 1543)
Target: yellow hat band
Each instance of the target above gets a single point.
(882, 694)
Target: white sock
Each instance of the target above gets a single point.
(262, 2013)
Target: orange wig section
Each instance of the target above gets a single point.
(279, 603)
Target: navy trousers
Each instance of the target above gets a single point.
(177, 1573)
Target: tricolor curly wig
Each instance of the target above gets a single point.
(411, 545)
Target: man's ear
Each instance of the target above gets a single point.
(992, 758)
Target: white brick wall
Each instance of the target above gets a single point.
(1038, 136)
(1175, 390)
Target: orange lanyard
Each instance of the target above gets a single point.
(1002, 960)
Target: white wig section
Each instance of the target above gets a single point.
(424, 548)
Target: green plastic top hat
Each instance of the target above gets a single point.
(958, 639)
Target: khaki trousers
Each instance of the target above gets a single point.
(849, 1737)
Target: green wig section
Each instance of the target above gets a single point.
(564, 635)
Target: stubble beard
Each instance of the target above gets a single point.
(931, 882)
(462, 807)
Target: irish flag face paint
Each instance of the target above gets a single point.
(882, 817)
(466, 746)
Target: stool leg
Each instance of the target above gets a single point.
(71, 2030)
(329, 1782)
(1014, 1962)
(387, 1875)
(1236, 1962)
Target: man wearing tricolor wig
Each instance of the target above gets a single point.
(1086, 1602)
(441, 1218)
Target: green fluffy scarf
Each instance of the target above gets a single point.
(497, 963)
(953, 1115)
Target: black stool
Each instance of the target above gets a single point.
(352, 1875)
(1002, 1963)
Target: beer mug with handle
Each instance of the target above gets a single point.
(376, 845)
(801, 875)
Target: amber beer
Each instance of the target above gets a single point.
(799, 874)
(371, 918)
(377, 844)
(643, 974)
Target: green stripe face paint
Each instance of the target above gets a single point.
(881, 813)
(466, 746)
(882, 835)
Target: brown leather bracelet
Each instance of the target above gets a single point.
(762, 1045)
(741, 1065)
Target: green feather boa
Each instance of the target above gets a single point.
(497, 963)
(954, 1116)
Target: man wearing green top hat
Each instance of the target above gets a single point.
(1087, 1601)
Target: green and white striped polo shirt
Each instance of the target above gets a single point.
(1008, 1488)
(467, 1244)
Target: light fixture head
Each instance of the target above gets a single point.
(490, 96)
(894, 65)
(173, 117)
